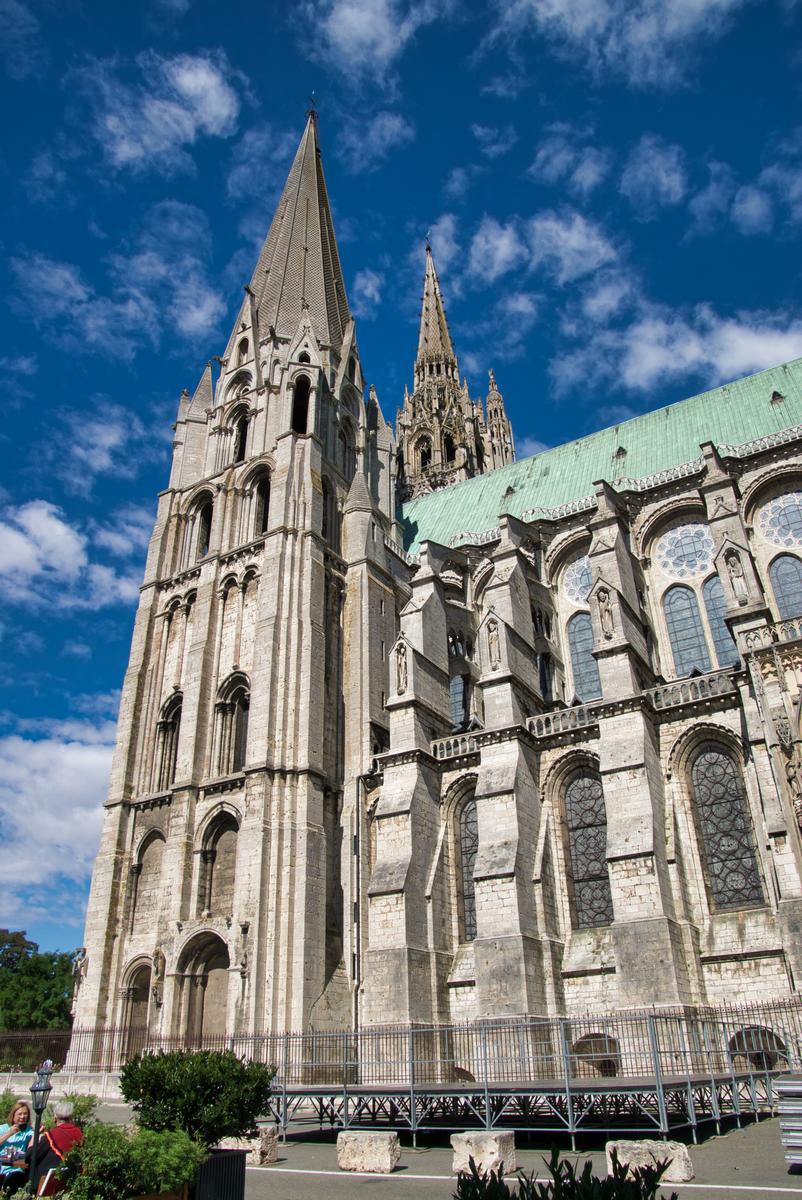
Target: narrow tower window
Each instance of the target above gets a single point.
(204, 528)
(468, 846)
(448, 448)
(587, 683)
(240, 438)
(300, 404)
(586, 818)
(786, 579)
(242, 352)
(262, 506)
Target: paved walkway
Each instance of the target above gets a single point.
(744, 1164)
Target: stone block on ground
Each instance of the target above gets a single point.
(262, 1150)
(647, 1153)
(490, 1152)
(378, 1153)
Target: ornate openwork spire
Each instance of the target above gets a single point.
(299, 266)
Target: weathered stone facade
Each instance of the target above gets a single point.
(374, 768)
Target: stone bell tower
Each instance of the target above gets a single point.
(222, 897)
(443, 435)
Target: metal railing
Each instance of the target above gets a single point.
(686, 1042)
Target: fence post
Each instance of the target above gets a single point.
(658, 1075)
(284, 1069)
(569, 1100)
(413, 1121)
(488, 1116)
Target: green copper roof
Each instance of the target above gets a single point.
(668, 437)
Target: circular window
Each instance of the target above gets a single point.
(578, 580)
(685, 551)
(780, 521)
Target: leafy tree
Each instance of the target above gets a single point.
(35, 988)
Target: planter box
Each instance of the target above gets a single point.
(221, 1176)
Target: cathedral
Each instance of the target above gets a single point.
(413, 732)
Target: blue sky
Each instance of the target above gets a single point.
(614, 194)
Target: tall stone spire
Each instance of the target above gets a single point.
(299, 266)
(442, 434)
(434, 339)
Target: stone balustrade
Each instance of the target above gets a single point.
(687, 691)
(454, 746)
(563, 721)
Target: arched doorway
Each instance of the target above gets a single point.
(203, 974)
(135, 1019)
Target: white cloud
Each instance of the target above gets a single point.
(20, 364)
(370, 33)
(525, 447)
(607, 294)
(366, 293)
(444, 242)
(459, 180)
(365, 144)
(127, 530)
(651, 43)
(712, 202)
(75, 649)
(568, 245)
(102, 438)
(661, 345)
(150, 123)
(53, 783)
(20, 36)
(495, 249)
(166, 266)
(493, 142)
(563, 158)
(752, 210)
(258, 163)
(44, 560)
(654, 176)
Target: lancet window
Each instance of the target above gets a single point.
(167, 743)
(261, 506)
(146, 883)
(728, 843)
(459, 699)
(218, 866)
(786, 580)
(300, 404)
(204, 529)
(231, 726)
(240, 435)
(586, 823)
(468, 832)
(685, 632)
(585, 669)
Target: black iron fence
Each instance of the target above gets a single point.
(670, 1043)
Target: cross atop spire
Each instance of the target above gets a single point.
(299, 266)
(434, 340)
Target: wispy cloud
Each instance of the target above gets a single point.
(566, 156)
(495, 249)
(493, 142)
(569, 246)
(259, 161)
(654, 176)
(365, 144)
(371, 33)
(650, 43)
(20, 36)
(366, 293)
(150, 122)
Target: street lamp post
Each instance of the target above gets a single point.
(40, 1091)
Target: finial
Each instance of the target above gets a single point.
(429, 240)
(312, 110)
(492, 377)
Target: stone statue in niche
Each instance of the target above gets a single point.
(493, 644)
(158, 969)
(737, 578)
(401, 669)
(793, 777)
(783, 727)
(605, 613)
(80, 965)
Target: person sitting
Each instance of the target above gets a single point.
(15, 1138)
(56, 1142)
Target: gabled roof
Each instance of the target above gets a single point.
(299, 263)
(434, 340)
(727, 416)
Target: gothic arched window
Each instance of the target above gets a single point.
(545, 676)
(167, 743)
(147, 883)
(231, 726)
(204, 525)
(584, 667)
(685, 632)
(786, 579)
(586, 821)
(458, 694)
(448, 448)
(468, 829)
(242, 352)
(346, 455)
(218, 864)
(725, 825)
(300, 404)
(240, 437)
(424, 454)
(715, 604)
(262, 511)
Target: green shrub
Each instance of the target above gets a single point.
(7, 1098)
(566, 1183)
(113, 1164)
(210, 1095)
(83, 1110)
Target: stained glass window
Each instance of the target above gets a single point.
(716, 603)
(584, 667)
(780, 521)
(686, 551)
(468, 845)
(727, 840)
(685, 632)
(586, 819)
(578, 580)
(458, 697)
(786, 579)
